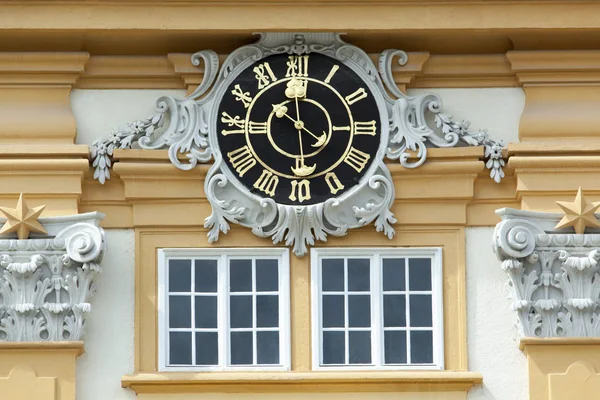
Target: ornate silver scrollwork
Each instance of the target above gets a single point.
(188, 127)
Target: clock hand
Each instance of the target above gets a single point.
(281, 111)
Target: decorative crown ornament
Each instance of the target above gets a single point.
(280, 78)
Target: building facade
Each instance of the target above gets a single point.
(202, 240)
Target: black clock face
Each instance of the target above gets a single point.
(298, 129)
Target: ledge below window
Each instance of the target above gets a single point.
(302, 382)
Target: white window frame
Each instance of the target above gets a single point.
(377, 348)
(222, 255)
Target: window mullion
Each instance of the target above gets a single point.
(346, 315)
(254, 312)
(376, 320)
(407, 312)
(223, 312)
(193, 308)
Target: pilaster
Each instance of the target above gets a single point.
(553, 276)
(45, 287)
(35, 96)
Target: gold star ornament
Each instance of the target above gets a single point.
(22, 219)
(578, 214)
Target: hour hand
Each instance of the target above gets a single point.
(280, 110)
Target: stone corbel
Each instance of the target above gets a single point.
(46, 283)
(554, 278)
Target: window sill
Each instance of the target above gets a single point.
(301, 382)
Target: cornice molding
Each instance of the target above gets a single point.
(554, 276)
(561, 94)
(303, 382)
(34, 96)
(465, 71)
(176, 71)
(41, 69)
(559, 67)
(129, 72)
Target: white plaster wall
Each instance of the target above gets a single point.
(109, 332)
(496, 109)
(99, 112)
(493, 341)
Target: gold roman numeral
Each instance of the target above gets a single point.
(297, 66)
(357, 159)
(341, 128)
(331, 73)
(241, 160)
(300, 190)
(242, 96)
(356, 96)
(232, 121)
(264, 75)
(365, 128)
(267, 182)
(333, 182)
(257, 128)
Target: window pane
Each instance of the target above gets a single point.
(420, 310)
(393, 274)
(240, 309)
(394, 310)
(334, 345)
(180, 348)
(180, 312)
(359, 274)
(206, 276)
(332, 275)
(267, 311)
(421, 347)
(333, 311)
(395, 347)
(207, 348)
(206, 311)
(180, 275)
(267, 347)
(419, 273)
(359, 347)
(359, 311)
(267, 276)
(241, 348)
(240, 275)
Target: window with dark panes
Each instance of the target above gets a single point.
(379, 308)
(224, 311)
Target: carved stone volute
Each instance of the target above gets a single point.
(46, 281)
(554, 275)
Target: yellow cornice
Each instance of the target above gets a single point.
(302, 382)
(452, 187)
(175, 71)
(161, 27)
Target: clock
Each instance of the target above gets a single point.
(298, 128)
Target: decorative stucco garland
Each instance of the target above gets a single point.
(412, 134)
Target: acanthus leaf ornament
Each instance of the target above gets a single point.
(189, 126)
(554, 276)
(46, 282)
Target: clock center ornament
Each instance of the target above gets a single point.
(298, 127)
